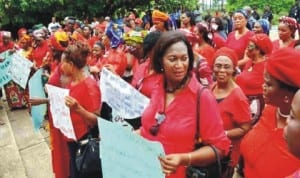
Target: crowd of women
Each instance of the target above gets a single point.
(249, 106)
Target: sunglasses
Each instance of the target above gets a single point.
(159, 117)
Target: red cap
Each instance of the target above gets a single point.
(225, 51)
(263, 42)
(284, 65)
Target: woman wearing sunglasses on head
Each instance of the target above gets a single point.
(171, 116)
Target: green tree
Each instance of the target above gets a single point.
(277, 6)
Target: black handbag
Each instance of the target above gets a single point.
(87, 156)
(214, 170)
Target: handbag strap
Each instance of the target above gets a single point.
(197, 134)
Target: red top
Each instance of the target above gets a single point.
(265, 151)
(59, 149)
(235, 110)
(8, 46)
(177, 131)
(276, 44)
(39, 52)
(238, 45)
(143, 81)
(116, 58)
(218, 40)
(88, 95)
(252, 78)
(207, 52)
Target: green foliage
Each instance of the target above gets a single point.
(277, 6)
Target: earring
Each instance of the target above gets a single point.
(286, 100)
(162, 69)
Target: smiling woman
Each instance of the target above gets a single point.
(233, 104)
(171, 116)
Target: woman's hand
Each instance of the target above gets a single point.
(71, 102)
(170, 163)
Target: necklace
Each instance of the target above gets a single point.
(281, 114)
(181, 84)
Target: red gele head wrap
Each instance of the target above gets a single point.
(225, 51)
(284, 65)
(263, 42)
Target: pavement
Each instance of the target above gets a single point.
(24, 153)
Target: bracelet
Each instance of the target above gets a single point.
(189, 159)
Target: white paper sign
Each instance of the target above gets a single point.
(121, 96)
(60, 112)
(19, 69)
(125, 154)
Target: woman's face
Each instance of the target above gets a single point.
(272, 92)
(97, 51)
(175, 62)
(257, 28)
(185, 19)
(292, 129)
(239, 21)
(284, 31)
(159, 25)
(251, 49)
(66, 66)
(223, 69)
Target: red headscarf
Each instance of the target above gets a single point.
(284, 65)
(263, 42)
(225, 51)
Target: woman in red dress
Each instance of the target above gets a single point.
(203, 45)
(84, 100)
(252, 77)
(171, 116)
(239, 38)
(233, 104)
(286, 30)
(144, 78)
(264, 149)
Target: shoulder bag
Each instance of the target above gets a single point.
(214, 170)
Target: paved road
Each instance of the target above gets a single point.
(24, 153)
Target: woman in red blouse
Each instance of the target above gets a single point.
(239, 38)
(84, 100)
(144, 78)
(252, 77)
(232, 102)
(171, 116)
(264, 149)
(203, 45)
(286, 30)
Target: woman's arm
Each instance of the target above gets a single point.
(90, 117)
(200, 157)
(239, 131)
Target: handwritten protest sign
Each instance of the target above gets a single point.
(19, 69)
(125, 154)
(121, 96)
(4, 66)
(36, 90)
(60, 112)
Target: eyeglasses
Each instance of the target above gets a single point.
(159, 117)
